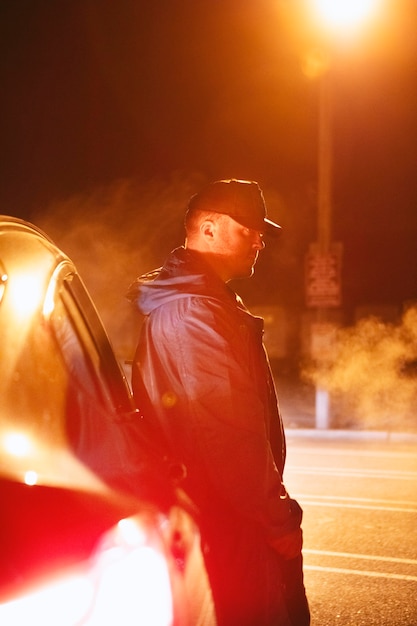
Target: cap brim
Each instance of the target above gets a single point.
(271, 228)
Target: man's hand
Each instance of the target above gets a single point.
(288, 546)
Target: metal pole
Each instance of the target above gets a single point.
(325, 164)
(324, 214)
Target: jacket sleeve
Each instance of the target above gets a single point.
(217, 403)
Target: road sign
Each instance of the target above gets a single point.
(323, 279)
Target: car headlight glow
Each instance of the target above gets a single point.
(63, 602)
(127, 583)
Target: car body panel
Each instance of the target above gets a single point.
(74, 462)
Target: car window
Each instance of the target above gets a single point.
(56, 363)
(92, 336)
(86, 382)
(35, 386)
(62, 391)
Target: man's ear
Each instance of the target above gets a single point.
(208, 229)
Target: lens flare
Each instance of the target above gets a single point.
(25, 293)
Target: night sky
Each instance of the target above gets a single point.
(98, 91)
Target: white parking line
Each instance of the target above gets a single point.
(366, 557)
(352, 472)
(340, 502)
(326, 451)
(341, 505)
(339, 570)
(303, 496)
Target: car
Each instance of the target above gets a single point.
(95, 529)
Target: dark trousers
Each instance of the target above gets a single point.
(294, 592)
(251, 585)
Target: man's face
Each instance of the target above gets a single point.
(238, 247)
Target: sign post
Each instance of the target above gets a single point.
(323, 278)
(323, 290)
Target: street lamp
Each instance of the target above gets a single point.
(339, 18)
(344, 16)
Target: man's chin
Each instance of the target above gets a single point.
(248, 273)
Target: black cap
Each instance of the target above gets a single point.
(240, 199)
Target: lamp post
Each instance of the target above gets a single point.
(323, 283)
(342, 18)
(325, 165)
(324, 227)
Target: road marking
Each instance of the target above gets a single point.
(363, 503)
(340, 505)
(355, 499)
(339, 570)
(353, 472)
(366, 557)
(294, 450)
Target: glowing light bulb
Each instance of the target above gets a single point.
(31, 478)
(344, 14)
(16, 444)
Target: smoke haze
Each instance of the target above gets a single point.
(115, 233)
(120, 231)
(372, 374)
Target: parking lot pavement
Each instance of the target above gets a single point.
(359, 497)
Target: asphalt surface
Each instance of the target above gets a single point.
(359, 496)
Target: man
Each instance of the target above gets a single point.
(201, 366)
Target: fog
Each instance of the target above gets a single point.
(115, 233)
(119, 231)
(371, 374)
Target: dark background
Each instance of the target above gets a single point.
(113, 113)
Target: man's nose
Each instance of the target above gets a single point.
(259, 242)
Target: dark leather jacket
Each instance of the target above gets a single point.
(202, 364)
